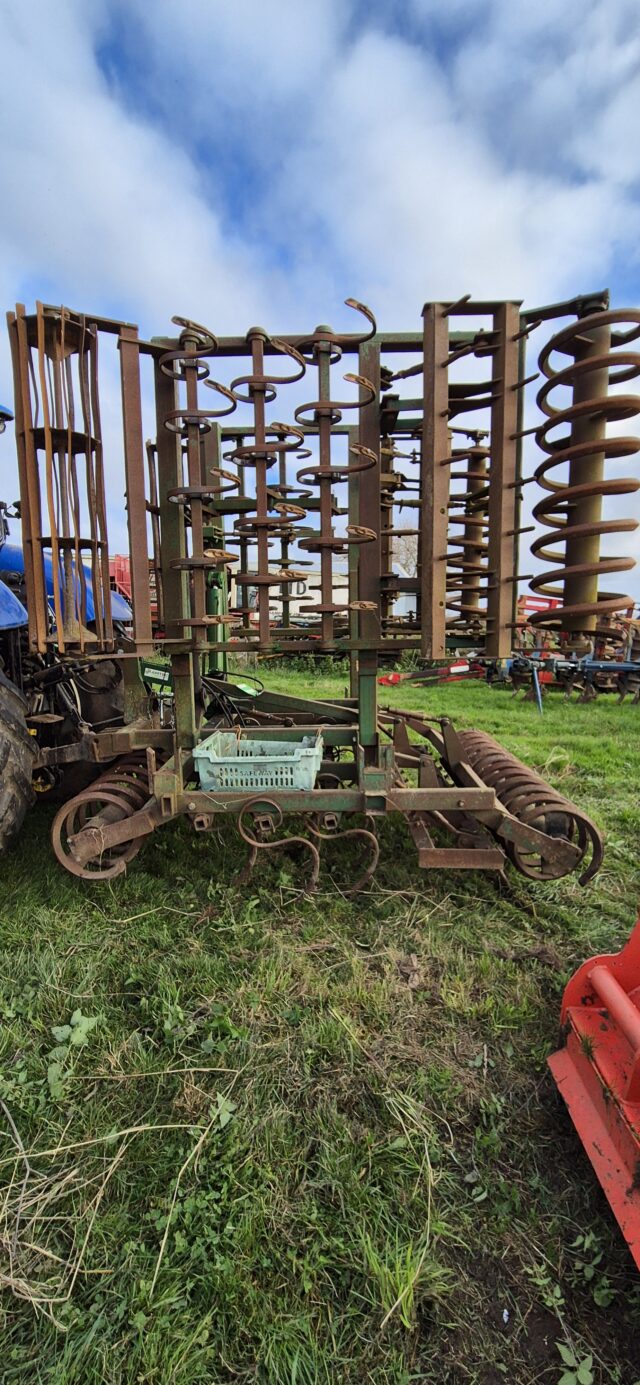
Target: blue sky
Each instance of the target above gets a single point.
(239, 161)
(233, 160)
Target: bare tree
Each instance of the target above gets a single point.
(405, 552)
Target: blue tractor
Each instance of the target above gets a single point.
(17, 749)
(46, 706)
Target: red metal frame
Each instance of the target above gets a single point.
(120, 575)
(598, 1075)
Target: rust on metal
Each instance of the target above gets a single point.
(575, 435)
(266, 537)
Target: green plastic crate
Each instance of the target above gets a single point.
(236, 761)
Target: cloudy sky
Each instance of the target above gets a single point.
(242, 161)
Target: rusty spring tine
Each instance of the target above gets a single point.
(261, 454)
(326, 490)
(255, 845)
(65, 416)
(366, 835)
(269, 383)
(244, 542)
(24, 376)
(154, 507)
(324, 412)
(257, 392)
(262, 389)
(95, 430)
(340, 471)
(468, 552)
(94, 553)
(194, 473)
(61, 475)
(188, 364)
(32, 376)
(102, 605)
(256, 528)
(102, 609)
(284, 540)
(62, 465)
(79, 579)
(244, 551)
(285, 536)
(49, 480)
(467, 564)
(340, 339)
(204, 342)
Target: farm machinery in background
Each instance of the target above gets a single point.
(226, 487)
(544, 660)
(587, 677)
(534, 674)
(539, 662)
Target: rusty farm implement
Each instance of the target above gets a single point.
(227, 506)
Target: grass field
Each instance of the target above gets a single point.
(251, 1136)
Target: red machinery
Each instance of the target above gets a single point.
(598, 1075)
(454, 672)
(120, 575)
(120, 579)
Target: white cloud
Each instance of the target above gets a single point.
(252, 162)
(420, 203)
(241, 56)
(103, 205)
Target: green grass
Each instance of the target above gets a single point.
(311, 1139)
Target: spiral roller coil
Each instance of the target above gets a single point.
(283, 495)
(467, 556)
(398, 491)
(534, 802)
(572, 510)
(121, 791)
(467, 573)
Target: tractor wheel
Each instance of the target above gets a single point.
(17, 751)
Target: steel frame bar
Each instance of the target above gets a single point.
(175, 581)
(135, 489)
(369, 554)
(503, 482)
(37, 605)
(434, 482)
